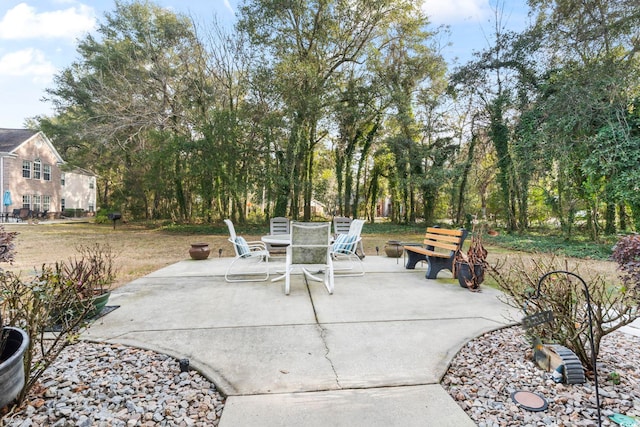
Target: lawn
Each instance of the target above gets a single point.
(142, 249)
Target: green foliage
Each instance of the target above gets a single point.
(195, 126)
(612, 306)
(579, 246)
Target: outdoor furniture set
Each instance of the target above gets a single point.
(308, 247)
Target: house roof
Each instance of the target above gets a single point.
(11, 139)
(81, 171)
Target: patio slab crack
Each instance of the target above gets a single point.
(323, 337)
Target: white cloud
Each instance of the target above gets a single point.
(228, 6)
(454, 11)
(27, 62)
(24, 22)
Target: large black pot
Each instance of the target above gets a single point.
(12, 365)
(463, 271)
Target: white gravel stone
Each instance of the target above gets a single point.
(491, 367)
(95, 384)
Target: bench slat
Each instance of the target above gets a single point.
(452, 239)
(442, 245)
(426, 252)
(445, 231)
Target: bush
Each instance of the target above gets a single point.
(626, 253)
(612, 306)
(7, 247)
(51, 305)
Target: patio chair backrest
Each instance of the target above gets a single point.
(341, 225)
(279, 225)
(233, 238)
(309, 242)
(356, 227)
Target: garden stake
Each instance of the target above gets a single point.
(593, 353)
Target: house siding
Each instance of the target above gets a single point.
(77, 191)
(35, 148)
(23, 145)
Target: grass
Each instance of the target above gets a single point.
(146, 246)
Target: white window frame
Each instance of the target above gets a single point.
(36, 202)
(26, 201)
(46, 172)
(46, 203)
(37, 169)
(26, 169)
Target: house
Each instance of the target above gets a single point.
(31, 176)
(78, 192)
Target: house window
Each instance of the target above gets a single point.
(26, 169)
(62, 178)
(46, 203)
(26, 201)
(37, 169)
(36, 202)
(62, 205)
(91, 183)
(91, 208)
(46, 172)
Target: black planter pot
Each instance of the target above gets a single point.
(12, 365)
(463, 271)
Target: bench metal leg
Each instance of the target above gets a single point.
(413, 259)
(436, 264)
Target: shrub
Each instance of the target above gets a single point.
(626, 253)
(92, 272)
(51, 305)
(7, 247)
(612, 306)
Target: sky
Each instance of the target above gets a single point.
(38, 39)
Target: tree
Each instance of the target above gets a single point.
(587, 96)
(309, 44)
(130, 91)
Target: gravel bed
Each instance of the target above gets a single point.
(114, 385)
(488, 369)
(94, 384)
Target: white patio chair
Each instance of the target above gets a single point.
(345, 248)
(309, 248)
(278, 225)
(356, 229)
(341, 225)
(253, 256)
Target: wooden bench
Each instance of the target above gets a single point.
(439, 250)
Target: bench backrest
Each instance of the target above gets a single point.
(444, 239)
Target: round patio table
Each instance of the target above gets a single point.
(277, 239)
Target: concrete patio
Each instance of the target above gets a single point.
(371, 354)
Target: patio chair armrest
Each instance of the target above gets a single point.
(257, 246)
